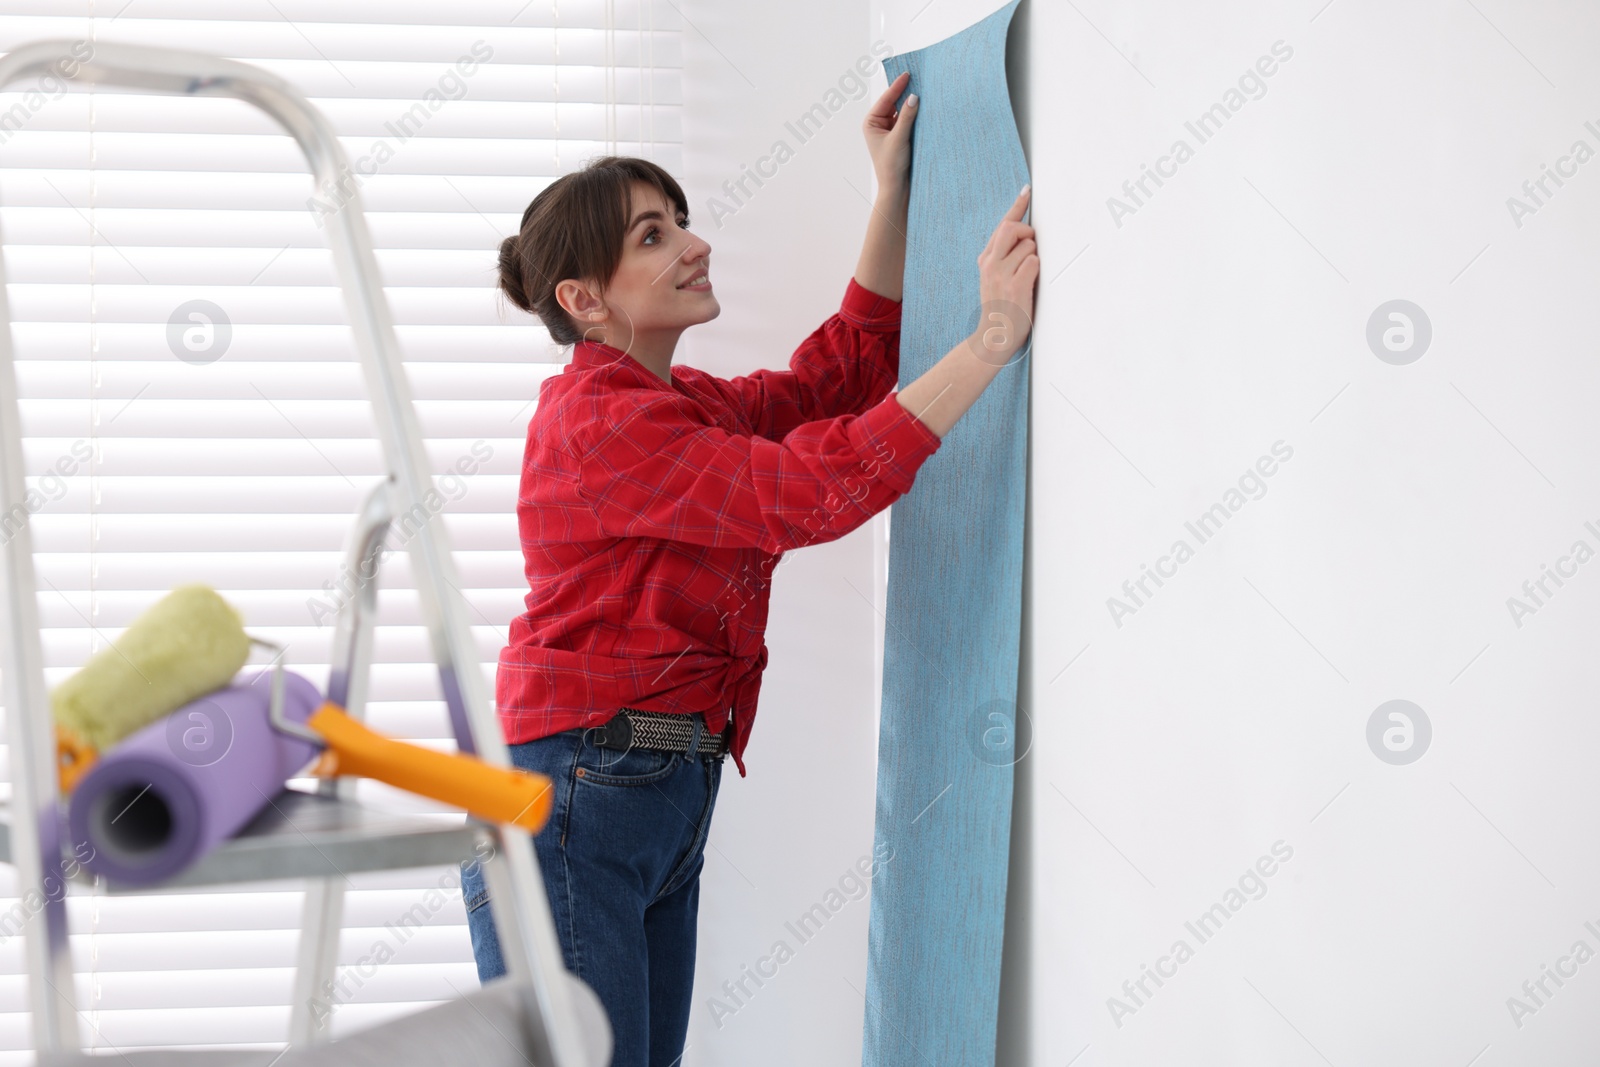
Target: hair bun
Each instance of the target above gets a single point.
(511, 272)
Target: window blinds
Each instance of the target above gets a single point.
(192, 409)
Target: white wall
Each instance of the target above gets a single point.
(1230, 712)
(785, 835)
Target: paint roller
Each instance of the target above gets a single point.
(154, 792)
(163, 797)
(188, 643)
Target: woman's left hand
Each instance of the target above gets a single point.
(889, 134)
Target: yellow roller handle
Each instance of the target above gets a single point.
(499, 794)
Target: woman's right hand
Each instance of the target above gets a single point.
(1008, 268)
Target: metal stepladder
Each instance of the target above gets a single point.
(318, 836)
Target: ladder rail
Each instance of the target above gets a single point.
(532, 952)
(35, 827)
(322, 910)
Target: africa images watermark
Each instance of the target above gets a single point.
(336, 991)
(1579, 154)
(1204, 127)
(1204, 528)
(51, 488)
(32, 901)
(809, 123)
(1531, 1001)
(1579, 554)
(851, 886)
(65, 66)
(1252, 885)
(749, 581)
(339, 590)
(448, 86)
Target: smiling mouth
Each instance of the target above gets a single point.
(697, 281)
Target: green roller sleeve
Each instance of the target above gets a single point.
(185, 645)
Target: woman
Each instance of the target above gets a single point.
(655, 500)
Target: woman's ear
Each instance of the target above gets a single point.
(577, 300)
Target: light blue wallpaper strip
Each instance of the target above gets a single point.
(946, 743)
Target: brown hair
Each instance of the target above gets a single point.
(574, 229)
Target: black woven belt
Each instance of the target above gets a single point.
(631, 728)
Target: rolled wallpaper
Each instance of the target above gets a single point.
(163, 797)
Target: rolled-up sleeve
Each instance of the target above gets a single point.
(656, 472)
(846, 365)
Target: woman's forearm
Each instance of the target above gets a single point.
(882, 266)
(951, 386)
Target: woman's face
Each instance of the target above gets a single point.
(650, 301)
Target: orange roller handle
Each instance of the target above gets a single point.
(74, 757)
(499, 794)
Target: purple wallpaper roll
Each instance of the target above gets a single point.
(163, 797)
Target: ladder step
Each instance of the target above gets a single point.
(309, 835)
(488, 1026)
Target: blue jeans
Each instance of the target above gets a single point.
(621, 858)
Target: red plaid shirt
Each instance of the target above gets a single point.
(651, 517)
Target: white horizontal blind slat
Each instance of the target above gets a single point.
(116, 207)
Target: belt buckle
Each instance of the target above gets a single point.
(615, 733)
(721, 741)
